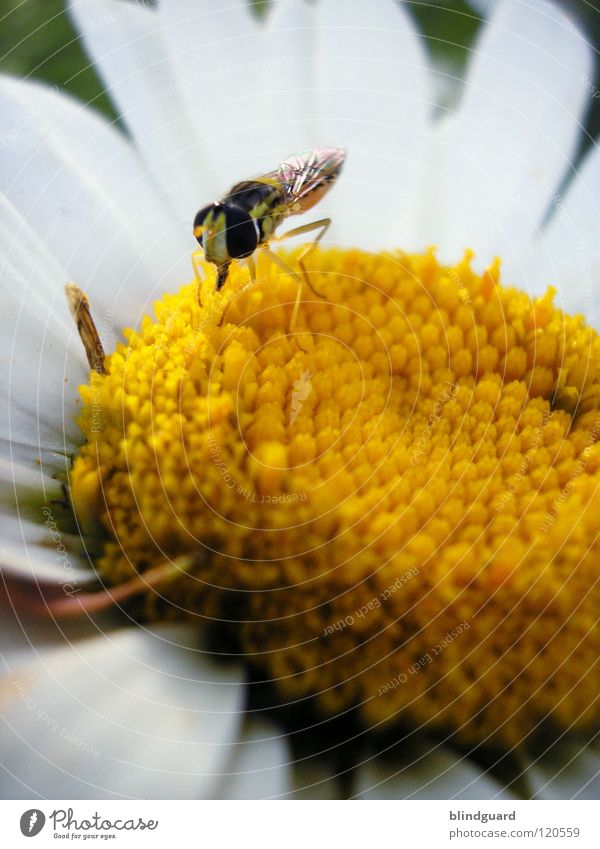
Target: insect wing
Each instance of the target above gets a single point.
(307, 177)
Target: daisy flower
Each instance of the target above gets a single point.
(356, 557)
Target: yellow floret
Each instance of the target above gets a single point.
(395, 506)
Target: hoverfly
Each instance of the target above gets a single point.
(247, 217)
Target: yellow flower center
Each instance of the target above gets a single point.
(395, 506)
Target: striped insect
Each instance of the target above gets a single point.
(247, 217)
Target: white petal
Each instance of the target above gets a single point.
(21, 486)
(38, 385)
(80, 186)
(260, 768)
(484, 7)
(291, 46)
(569, 770)
(132, 713)
(30, 455)
(38, 552)
(375, 98)
(429, 772)
(292, 56)
(223, 65)
(127, 43)
(27, 637)
(37, 564)
(515, 136)
(32, 547)
(567, 253)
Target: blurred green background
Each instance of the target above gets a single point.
(37, 39)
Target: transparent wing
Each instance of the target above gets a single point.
(307, 175)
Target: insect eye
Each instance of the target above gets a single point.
(200, 220)
(242, 232)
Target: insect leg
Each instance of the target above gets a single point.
(252, 269)
(195, 256)
(323, 224)
(282, 264)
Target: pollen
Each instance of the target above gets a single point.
(394, 507)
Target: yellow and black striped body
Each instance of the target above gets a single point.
(264, 201)
(249, 214)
